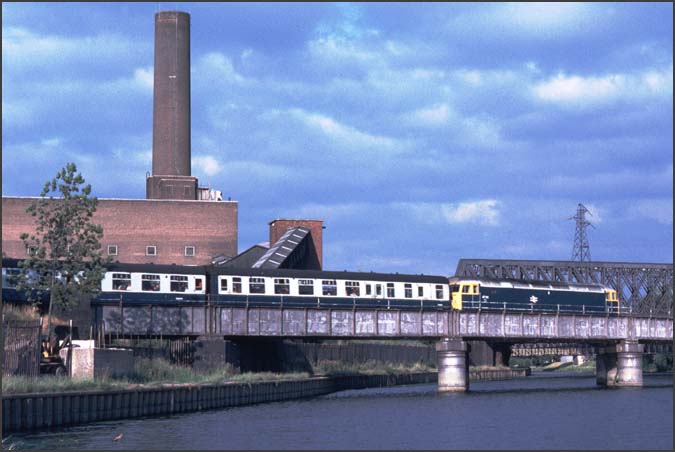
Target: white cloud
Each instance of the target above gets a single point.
(434, 115)
(345, 134)
(485, 212)
(216, 67)
(482, 212)
(660, 210)
(208, 165)
(578, 91)
(145, 77)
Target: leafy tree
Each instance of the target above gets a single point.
(65, 259)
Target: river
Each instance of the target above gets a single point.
(544, 411)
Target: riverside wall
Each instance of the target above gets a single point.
(47, 410)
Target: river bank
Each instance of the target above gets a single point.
(47, 410)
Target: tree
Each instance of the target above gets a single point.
(65, 258)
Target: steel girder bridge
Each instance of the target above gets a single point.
(644, 288)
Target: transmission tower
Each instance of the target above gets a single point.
(581, 251)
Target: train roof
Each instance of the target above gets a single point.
(521, 282)
(328, 274)
(157, 268)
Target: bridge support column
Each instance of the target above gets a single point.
(453, 365)
(619, 365)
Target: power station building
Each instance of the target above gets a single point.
(179, 222)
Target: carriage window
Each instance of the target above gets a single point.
(352, 288)
(11, 277)
(439, 291)
(281, 286)
(198, 284)
(223, 285)
(121, 281)
(407, 290)
(256, 285)
(236, 285)
(329, 287)
(179, 283)
(306, 287)
(150, 283)
(420, 291)
(378, 289)
(369, 289)
(391, 293)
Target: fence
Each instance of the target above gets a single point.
(21, 347)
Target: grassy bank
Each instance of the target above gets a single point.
(159, 372)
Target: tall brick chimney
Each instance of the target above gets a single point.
(171, 170)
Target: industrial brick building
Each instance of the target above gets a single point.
(178, 222)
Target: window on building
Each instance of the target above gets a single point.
(236, 285)
(190, 251)
(306, 287)
(179, 283)
(151, 250)
(352, 288)
(121, 281)
(256, 285)
(439, 291)
(391, 293)
(282, 286)
(112, 250)
(223, 285)
(329, 287)
(31, 250)
(420, 291)
(407, 290)
(150, 283)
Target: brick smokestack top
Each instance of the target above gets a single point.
(171, 109)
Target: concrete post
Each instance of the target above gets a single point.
(453, 365)
(620, 365)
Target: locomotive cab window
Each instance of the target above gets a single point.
(179, 283)
(352, 288)
(329, 287)
(150, 283)
(281, 286)
(306, 287)
(121, 281)
(256, 285)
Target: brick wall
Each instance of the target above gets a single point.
(211, 227)
(280, 226)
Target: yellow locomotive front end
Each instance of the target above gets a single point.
(463, 293)
(612, 303)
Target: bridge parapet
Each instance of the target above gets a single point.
(151, 320)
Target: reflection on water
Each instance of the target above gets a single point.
(538, 412)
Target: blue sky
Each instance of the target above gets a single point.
(420, 133)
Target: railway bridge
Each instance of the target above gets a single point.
(619, 340)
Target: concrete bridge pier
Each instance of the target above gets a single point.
(619, 365)
(453, 365)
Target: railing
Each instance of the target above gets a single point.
(624, 311)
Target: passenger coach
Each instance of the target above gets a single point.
(304, 288)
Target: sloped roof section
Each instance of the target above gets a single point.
(288, 251)
(244, 259)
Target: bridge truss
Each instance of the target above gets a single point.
(644, 288)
